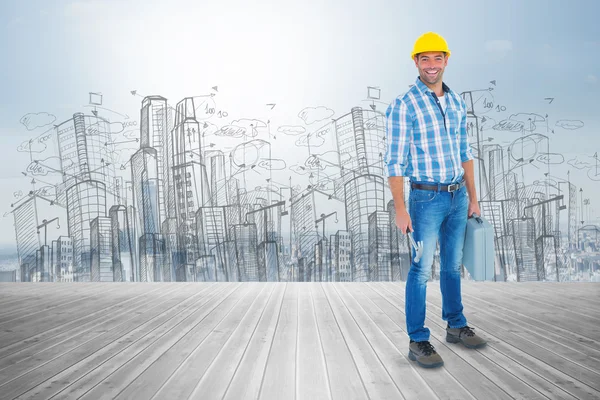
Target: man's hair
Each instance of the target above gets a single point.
(419, 54)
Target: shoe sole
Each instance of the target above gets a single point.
(454, 339)
(414, 358)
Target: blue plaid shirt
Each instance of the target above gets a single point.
(423, 143)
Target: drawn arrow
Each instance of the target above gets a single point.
(107, 109)
(272, 105)
(550, 99)
(215, 88)
(373, 106)
(493, 82)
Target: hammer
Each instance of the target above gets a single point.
(418, 248)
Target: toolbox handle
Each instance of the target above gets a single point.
(477, 218)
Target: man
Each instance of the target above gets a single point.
(427, 143)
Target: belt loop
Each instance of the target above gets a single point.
(439, 187)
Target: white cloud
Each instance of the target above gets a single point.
(591, 79)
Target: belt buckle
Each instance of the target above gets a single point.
(453, 187)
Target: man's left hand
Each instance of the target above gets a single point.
(473, 208)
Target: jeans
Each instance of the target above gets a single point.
(436, 215)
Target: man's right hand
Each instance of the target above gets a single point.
(403, 221)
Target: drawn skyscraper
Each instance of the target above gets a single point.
(359, 134)
(85, 201)
(101, 250)
(28, 240)
(146, 189)
(153, 134)
(124, 251)
(88, 174)
(190, 183)
(85, 152)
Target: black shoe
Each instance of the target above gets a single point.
(466, 336)
(424, 354)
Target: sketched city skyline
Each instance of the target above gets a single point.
(157, 200)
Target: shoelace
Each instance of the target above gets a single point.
(467, 331)
(426, 347)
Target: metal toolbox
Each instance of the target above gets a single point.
(478, 251)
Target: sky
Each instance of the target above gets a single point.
(539, 57)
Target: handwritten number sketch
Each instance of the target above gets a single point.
(189, 193)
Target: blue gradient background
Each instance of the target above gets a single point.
(296, 54)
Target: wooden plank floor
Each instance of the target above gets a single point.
(296, 341)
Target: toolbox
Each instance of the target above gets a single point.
(478, 252)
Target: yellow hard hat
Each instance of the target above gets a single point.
(430, 41)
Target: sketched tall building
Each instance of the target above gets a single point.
(379, 247)
(146, 189)
(153, 134)
(190, 183)
(85, 201)
(124, 249)
(101, 250)
(359, 136)
(85, 151)
(146, 192)
(245, 239)
(28, 240)
(306, 235)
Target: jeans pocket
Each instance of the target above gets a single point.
(422, 195)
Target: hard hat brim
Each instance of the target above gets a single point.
(415, 53)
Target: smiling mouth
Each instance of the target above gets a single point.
(431, 73)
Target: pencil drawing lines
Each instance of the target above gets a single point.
(310, 115)
(291, 130)
(33, 121)
(569, 124)
(191, 191)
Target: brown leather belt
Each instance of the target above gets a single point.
(444, 188)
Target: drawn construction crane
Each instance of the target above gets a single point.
(45, 224)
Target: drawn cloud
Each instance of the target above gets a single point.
(32, 121)
(32, 145)
(591, 79)
(231, 131)
(131, 134)
(575, 163)
(291, 130)
(250, 153)
(116, 127)
(311, 115)
(569, 124)
(313, 139)
(299, 169)
(551, 158)
(50, 165)
(273, 164)
(519, 121)
(251, 126)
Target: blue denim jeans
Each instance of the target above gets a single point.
(436, 215)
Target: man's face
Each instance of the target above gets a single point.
(431, 66)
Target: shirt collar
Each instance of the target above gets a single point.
(423, 88)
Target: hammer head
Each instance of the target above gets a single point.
(418, 247)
